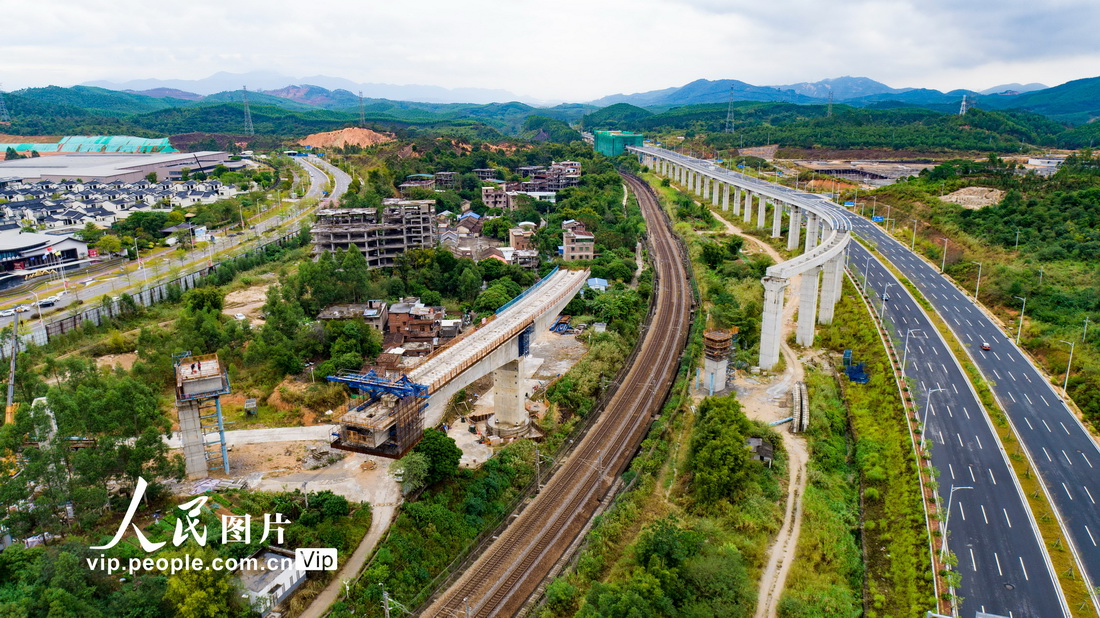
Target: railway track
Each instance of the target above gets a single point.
(510, 570)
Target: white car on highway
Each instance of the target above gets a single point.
(7, 313)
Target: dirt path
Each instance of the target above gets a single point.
(766, 402)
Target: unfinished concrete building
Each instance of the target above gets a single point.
(381, 234)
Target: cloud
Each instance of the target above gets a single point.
(575, 51)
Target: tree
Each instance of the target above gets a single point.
(151, 177)
(109, 243)
(10, 154)
(719, 456)
(413, 470)
(90, 233)
(204, 298)
(442, 454)
(469, 283)
(202, 593)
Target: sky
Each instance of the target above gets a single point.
(565, 51)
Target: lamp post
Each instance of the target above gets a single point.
(927, 407)
(979, 285)
(943, 264)
(38, 305)
(905, 350)
(884, 291)
(1017, 248)
(913, 244)
(950, 496)
(1021, 328)
(866, 265)
(1065, 384)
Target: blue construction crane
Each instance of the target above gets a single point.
(376, 385)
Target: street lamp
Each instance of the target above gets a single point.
(913, 244)
(1022, 309)
(884, 291)
(950, 496)
(38, 305)
(927, 407)
(979, 285)
(1068, 365)
(866, 265)
(943, 264)
(1017, 248)
(905, 349)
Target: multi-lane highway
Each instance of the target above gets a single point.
(94, 286)
(1004, 568)
(1060, 448)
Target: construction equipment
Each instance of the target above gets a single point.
(856, 371)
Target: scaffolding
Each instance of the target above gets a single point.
(384, 417)
(200, 383)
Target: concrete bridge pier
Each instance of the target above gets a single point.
(794, 228)
(726, 198)
(807, 307)
(771, 326)
(736, 201)
(748, 206)
(811, 231)
(716, 188)
(834, 269)
(777, 219)
(511, 417)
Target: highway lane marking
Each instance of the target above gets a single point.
(921, 349)
(967, 414)
(1028, 424)
(1028, 378)
(1067, 491)
(968, 338)
(1044, 400)
(1067, 457)
(949, 412)
(1064, 428)
(1011, 397)
(1086, 460)
(997, 355)
(956, 389)
(1011, 376)
(991, 477)
(972, 479)
(968, 323)
(1090, 536)
(959, 436)
(930, 367)
(1000, 573)
(951, 470)
(979, 441)
(983, 515)
(962, 511)
(941, 437)
(957, 321)
(1009, 521)
(996, 374)
(1026, 578)
(1028, 399)
(1047, 454)
(1045, 424)
(973, 564)
(944, 367)
(1089, 493)
(922, 386)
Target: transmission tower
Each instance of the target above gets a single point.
(729, 113)
(4, 116)
(362, 112)
(248, 130)
(829, 110)
(963, 107)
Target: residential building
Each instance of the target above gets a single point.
(446, 180)
(274, 579)
(381, 234)
(374, 313)
(522, 236)
(577, 244)
(486, 173)
(413, 321)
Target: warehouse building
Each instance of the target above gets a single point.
(122, 167)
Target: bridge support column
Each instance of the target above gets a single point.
(716, 188)
(833, 271)
(509, 396)
(725, 197)
(748, 206)
(707, 187)
(794, 228)
(811, 231)
(699, 179)
(777, 220)
(771, 325)
(736, 201)
(761, 213)
(807, 307)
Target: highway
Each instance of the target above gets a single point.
(1001, 559)
(1057, 444)
(93, 286)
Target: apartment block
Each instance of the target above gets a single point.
(577, 244)
(381, 234)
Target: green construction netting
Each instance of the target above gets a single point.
(99, 143)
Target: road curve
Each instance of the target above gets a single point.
(502, 579)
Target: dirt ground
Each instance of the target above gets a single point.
(126, 361)
(974, 197)
(344, 137)
(249, 301)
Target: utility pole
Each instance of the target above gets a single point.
(979, 286)
(1022, 309)
(913, 245)
(1065, 384)
(1017, 248)
(943, 264)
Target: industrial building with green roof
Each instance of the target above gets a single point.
(613, 143)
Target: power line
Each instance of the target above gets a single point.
(248, 130)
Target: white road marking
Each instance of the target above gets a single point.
(941, 437)
(968, 322)
(996, 374)
(1026, 578)
(1067, 457)
(1005, 511)
(1028, 424)
(1044, 400)
(1089, 494)
(959, 436)
(972, 479)
(1011, 376)
(1028, 399)
(954, 387)
(962, 511)
(967, 414)
(1091, 538)
(1028, 377)
(997, 355)
(1047, 454)
(973, 564)
(949, 412)
(1067, 491)
(968, 338)
(979, 441)
(1045, 425)
(983, 515)
(991, 477)
(951, 470)
(957, 321)
(1000, 573)
(1086, 460)
(944, 367)
(929, 366)
(1011, 397)
(1064, 428)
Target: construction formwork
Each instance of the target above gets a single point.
(385, 417)
(716, 352)
(200, 383)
